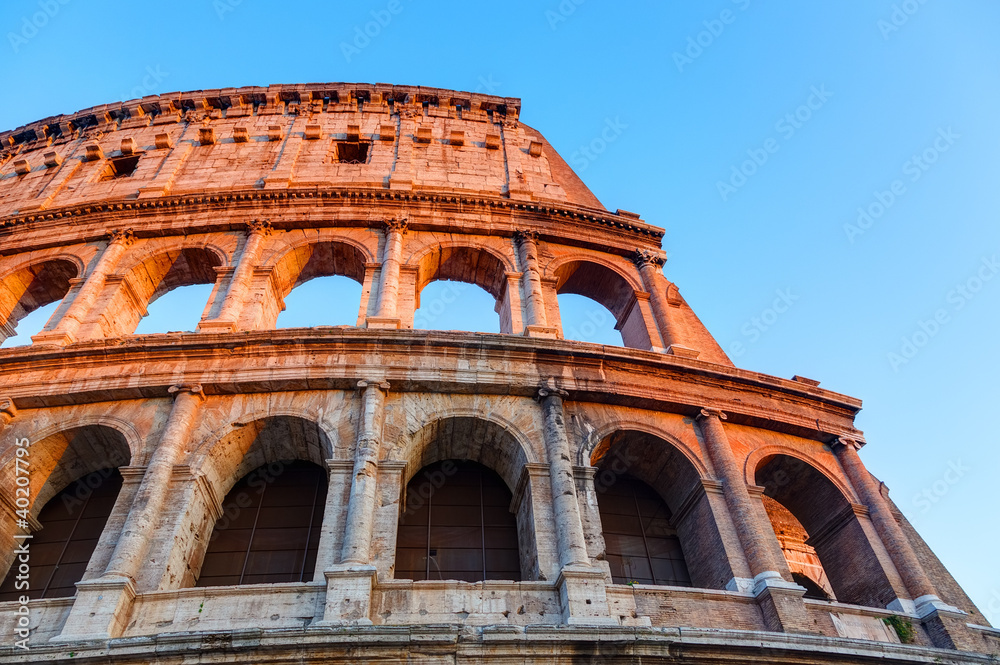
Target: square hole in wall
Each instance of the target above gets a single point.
(120, 167)
(352, 152)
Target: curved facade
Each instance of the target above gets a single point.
(346, 494)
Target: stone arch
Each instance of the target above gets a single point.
(606, 284)
(299, 262)
(462, 262)
(601, 435)
(62, 455)
(152, 276)
(759, 455)
(33, 284)
(824, 520)
(255, 441)
(677, 477)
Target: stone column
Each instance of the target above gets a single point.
(103, 605)
(650, 265)
(903, 557)
(780, 601)
(65, 331)
(581, 585)
(239, 285)
(351, 581)
(388, 290)
(531, 285)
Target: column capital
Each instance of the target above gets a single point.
(842, 442)
(648, 257)
(547, 392)
(393, 224)
(192, 388)
(363, 383)
(259, 226)
(123, 237)
(7, 410)
(708, 412)
(523, 235)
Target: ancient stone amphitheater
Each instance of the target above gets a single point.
(376, 493)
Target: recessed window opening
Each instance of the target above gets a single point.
(641, 543)
(352, 152)
(72, 522)
(457, 525)
(331, 300)
(453, 305)
(120, 167)
(586, 320)
(270, 527)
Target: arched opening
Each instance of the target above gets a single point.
(658, 523)
(152, 279)
(456, 306)
(331, 300)
(270, 527)
(178, 310)
(609, 289)
(641, 543)
(28, 291)
(457, 524)
(72, 522)
(821, 536)
(311, 301)
(586, 320)
(73, 479)
(446, 297)
(450, 443)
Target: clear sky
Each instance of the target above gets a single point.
(836, 158)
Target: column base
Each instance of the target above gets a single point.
(383, 322)
(217, 326)
(740, 585)
(583, 597)
(349, 590)
(543, 332)
(781, 604)
(101, 611)
(682, 351)
(52, 338)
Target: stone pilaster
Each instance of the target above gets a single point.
(239, 285)
(351, 581)
(7, 411)
(945, 623)
(581, 585)
(536, 324)
(780, 601)
(65, 332)
(650, 264)
(103, 606)
(388, 292)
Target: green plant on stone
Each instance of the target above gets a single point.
(902, 626)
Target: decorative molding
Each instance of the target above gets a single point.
(259, 226)
(122, 237)
(393, 224)
(708, 412)
(647, 257)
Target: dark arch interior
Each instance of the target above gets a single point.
(463, 264)
(831, 529)
(270, 527)
(605, 286)
(30, 288)
(72, 523)
(641, 543)
(457, 524)
(321, 259)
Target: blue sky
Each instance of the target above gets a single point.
(841, 157)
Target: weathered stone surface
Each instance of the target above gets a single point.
(257, 190)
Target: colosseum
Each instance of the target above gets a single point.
(380, 493)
